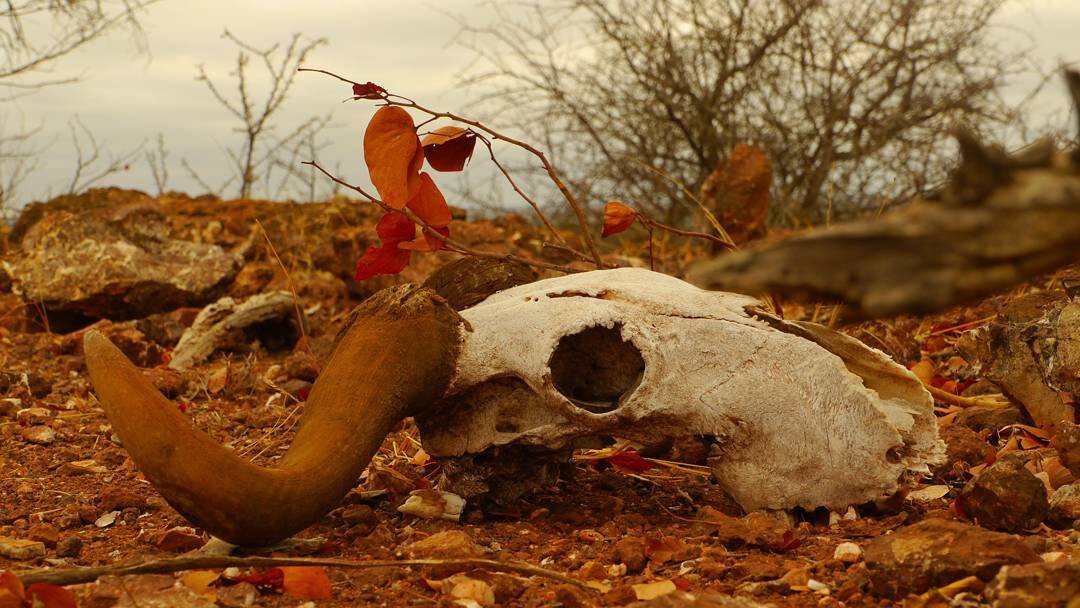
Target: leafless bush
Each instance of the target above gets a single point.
(35, 37)
(93, 162)
(259, 152)
(852, 101)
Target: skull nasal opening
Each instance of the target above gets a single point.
(595, 367)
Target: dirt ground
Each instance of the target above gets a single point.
(616, 527)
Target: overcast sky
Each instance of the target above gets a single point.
(405, 45)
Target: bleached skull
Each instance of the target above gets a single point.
(803, 416)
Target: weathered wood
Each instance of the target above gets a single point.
(1001, 220)
(216, 325)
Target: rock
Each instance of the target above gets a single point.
(1065, 505)
(361, 519)
(44, 533)
(10, 406)
(70, 546)
(1005, 496)
(82, 467)
(116, 499)
(41, 435)
(117, 263)
(1043, 585)
(21, 550)
(1066, 441)
(936, 552)
(33, 415)
(964, 449)
(987, 418)
(848, 553)
(448, 544)
(180, 539)
(1028, 351)
(630, 551)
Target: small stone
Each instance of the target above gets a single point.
(10, 406)
(964, 449)
(41, 435)
(1005, 496)
(936, 552)
(44, 533)
(33, 415)
(1043, 585)
(107, 519)
(116, 499)
(848, 553)
(448, 544)
(1065, 505)
(21, 550)
(630, 551)
(1066, 441)
(361, 519)
(82, 467)
(70, 546)
(989, 418)
(180, 539)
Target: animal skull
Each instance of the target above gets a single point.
(803, 416)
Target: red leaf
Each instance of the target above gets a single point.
(368, 90)
(393, 229)
(272, 580)
(50, 596)
(617, 217)
(307, 582)
(393, 155)
(449, 148)
(788, 543)
(629, 462)
(428, 242)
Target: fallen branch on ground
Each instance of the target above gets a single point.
(76, 576)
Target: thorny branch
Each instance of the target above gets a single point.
(553, 175)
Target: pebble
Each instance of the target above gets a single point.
(70, 546)
(1005, 496)
(21, 550)
(448, 544)
(1065, 505)
(44, 533)
(180, 539)
(41, 435)
(848, 553)
(33, 415)
(630, 551)
(116, 499)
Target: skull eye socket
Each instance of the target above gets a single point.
(595, 367)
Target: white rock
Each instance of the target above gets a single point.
(847, 552)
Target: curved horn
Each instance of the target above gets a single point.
(395, 359)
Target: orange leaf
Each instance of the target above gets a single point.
(388, 258)
(50, 596)
(307, 582)
(617, 217)
(11, 590)
(449, 148)
(368, 90)
(393, 155)
(429, 203)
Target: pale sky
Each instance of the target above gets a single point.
(405, 45)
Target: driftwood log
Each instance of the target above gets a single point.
(1002, 219)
